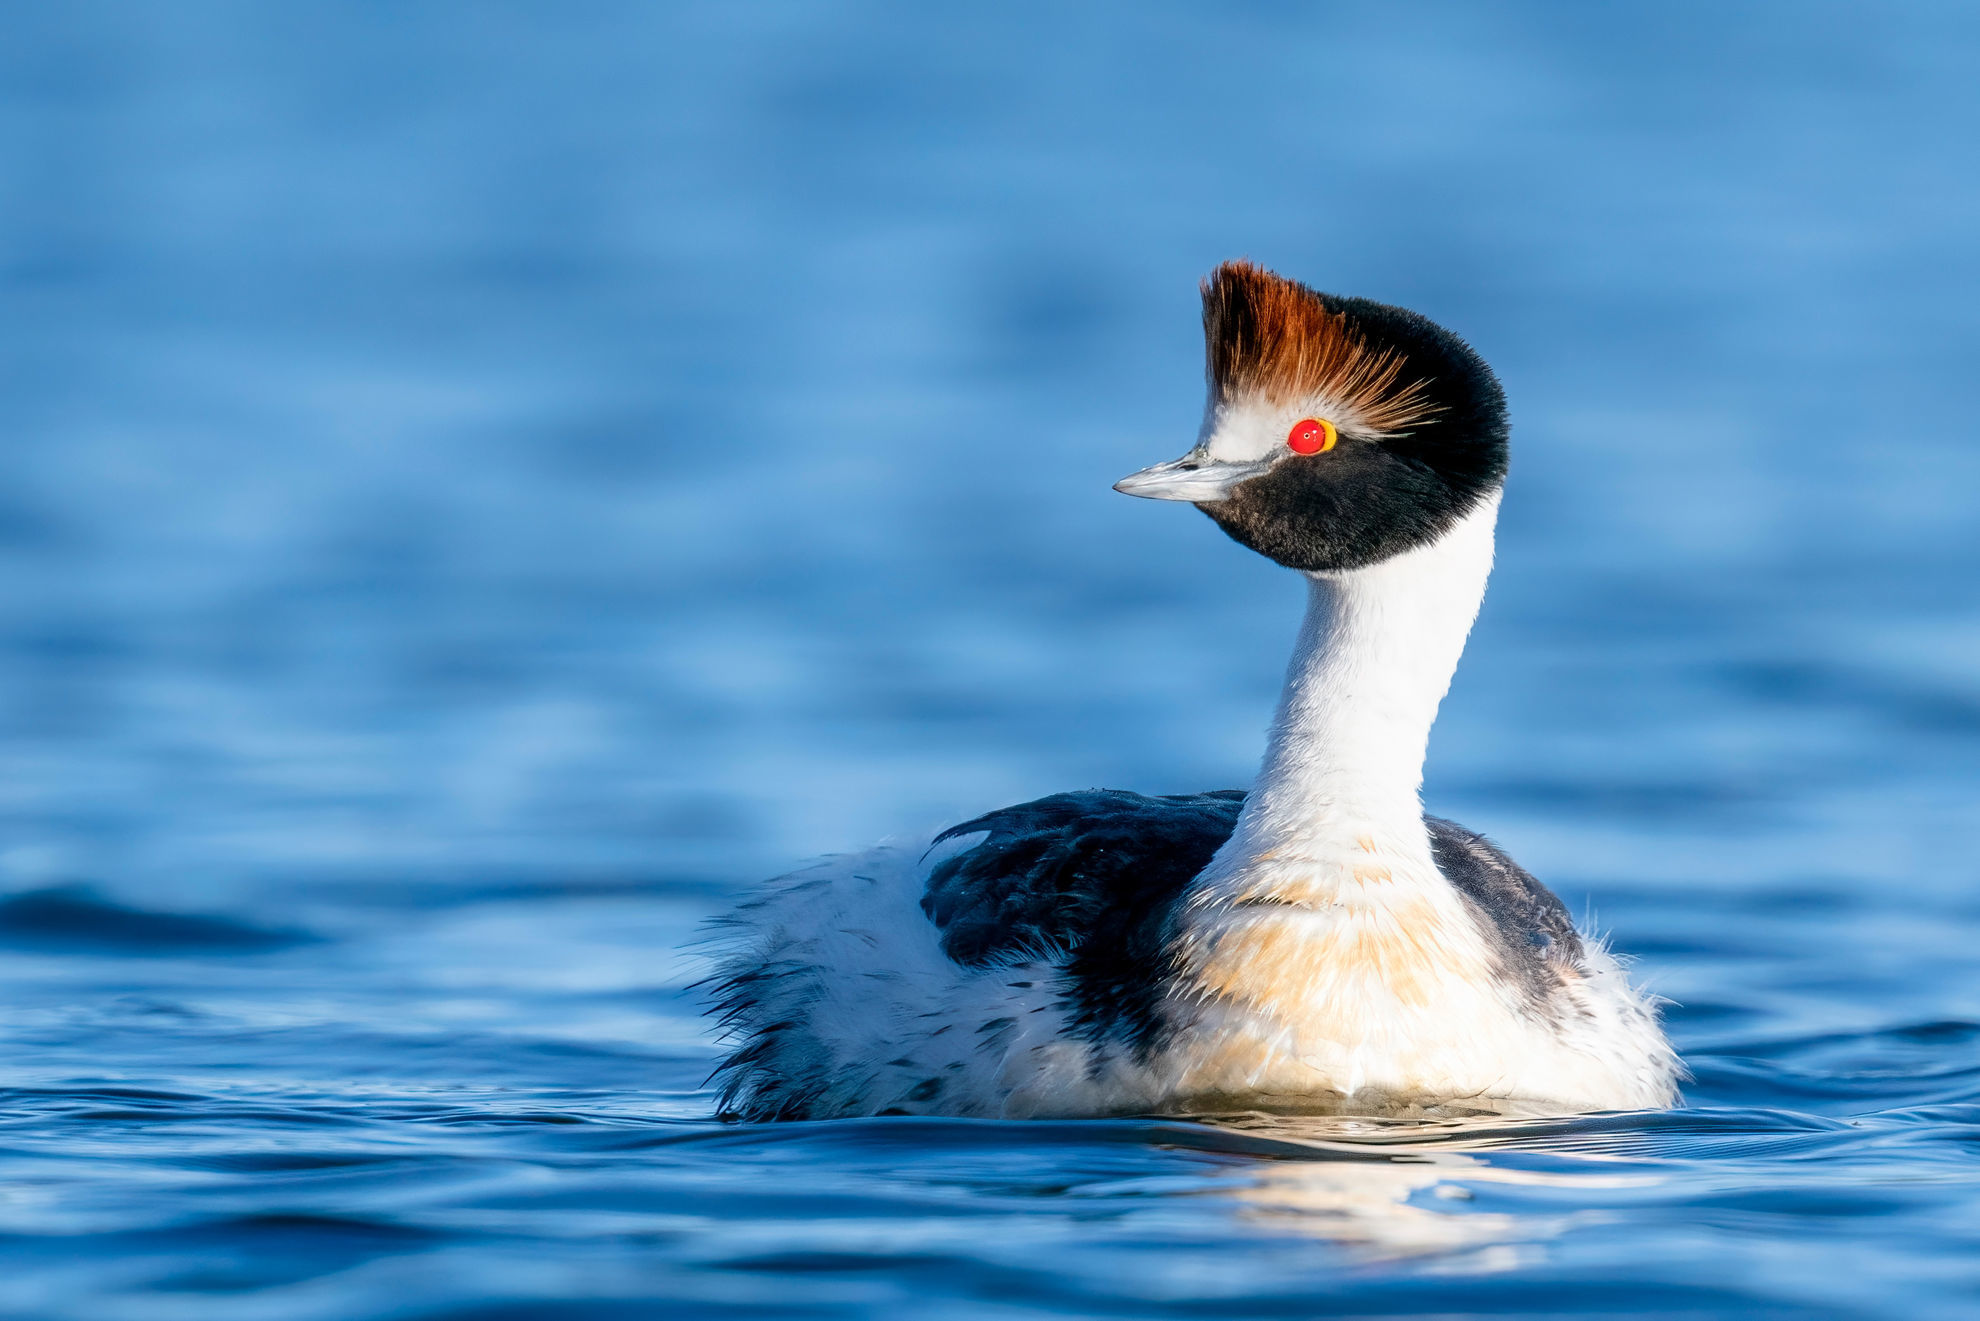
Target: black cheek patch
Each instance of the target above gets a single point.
(1355, 505)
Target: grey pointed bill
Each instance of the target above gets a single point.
(1193, 477)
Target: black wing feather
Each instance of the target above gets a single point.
(1535, 938)
(1091, 875)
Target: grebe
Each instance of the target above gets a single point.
(1318, 943)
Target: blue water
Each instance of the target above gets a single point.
(484, 482)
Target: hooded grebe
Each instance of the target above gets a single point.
(1317, 943)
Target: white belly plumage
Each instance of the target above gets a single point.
(840, 1000)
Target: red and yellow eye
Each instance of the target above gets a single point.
(1312, 435)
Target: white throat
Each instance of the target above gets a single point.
(1374, 659)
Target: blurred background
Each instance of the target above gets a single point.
(482, 482)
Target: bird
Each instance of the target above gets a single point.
(1316, 944)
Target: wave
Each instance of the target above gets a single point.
(74, 918)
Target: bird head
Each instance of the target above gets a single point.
(1338, 432)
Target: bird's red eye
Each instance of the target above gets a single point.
(1312, 435)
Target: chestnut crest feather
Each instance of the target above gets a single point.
(1271, 339)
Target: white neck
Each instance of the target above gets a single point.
(1323, 953)
(1374, 659)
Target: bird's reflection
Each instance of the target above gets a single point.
(1398, 1188)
